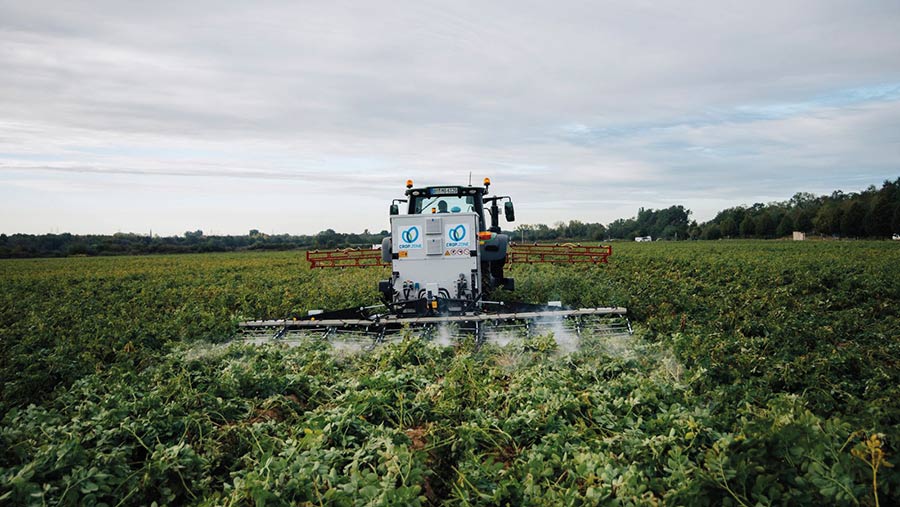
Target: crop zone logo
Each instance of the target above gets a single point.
(457, 237)
(409, 238)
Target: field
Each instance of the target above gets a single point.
(761, 372)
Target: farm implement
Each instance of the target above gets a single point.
(445, 261)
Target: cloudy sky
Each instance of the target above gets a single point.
(293, 117)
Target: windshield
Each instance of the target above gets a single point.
(444, 204)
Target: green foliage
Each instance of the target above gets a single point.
(763, 373)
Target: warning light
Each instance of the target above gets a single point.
(485, 235)
(434, 304)
(487, 182)
(408, 183)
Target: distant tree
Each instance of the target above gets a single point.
(828, 218)
(522, 232)
(327, 239)
(895, 223)
(554, 232)
(541, 232)
(801, 199)
(575, 229)
(765, 225)
(711, 232)
(853, 220)
(598, 232)
(254, 232)
(785, 227)
(878, 221)
(803, 221)
(620, 228)
(728, 227)
(747, 227)
(694, 230)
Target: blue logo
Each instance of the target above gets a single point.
(410, 235)
(457, 233)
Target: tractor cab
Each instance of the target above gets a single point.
(455, 199)
(446, 200)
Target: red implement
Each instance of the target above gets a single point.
(346, 258)
(567, 253)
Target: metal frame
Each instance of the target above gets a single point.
(391, 320)
(381, 327)
(517, 253)
(565, 253)
(345, 258)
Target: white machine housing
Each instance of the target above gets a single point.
(435, 255)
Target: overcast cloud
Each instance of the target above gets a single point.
(294, 117)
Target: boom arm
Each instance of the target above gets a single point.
(567, 253)
(345, 258)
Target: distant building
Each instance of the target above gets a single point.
(799, 236)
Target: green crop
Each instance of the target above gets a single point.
(761, 373)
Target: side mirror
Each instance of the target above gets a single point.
(395, 210)
(509, 211)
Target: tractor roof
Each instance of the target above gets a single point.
(446, 190)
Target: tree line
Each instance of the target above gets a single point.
(669, 223)
(872, 213)
(62, 245)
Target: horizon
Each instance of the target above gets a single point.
(298, 118)
(377, 231)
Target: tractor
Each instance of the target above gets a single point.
(447, 254)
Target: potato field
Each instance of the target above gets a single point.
(760, 373)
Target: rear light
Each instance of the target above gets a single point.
(485, 235)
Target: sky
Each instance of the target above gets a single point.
(294, 117)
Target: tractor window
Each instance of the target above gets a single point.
(444, 204)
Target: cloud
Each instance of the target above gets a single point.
(583, 110)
